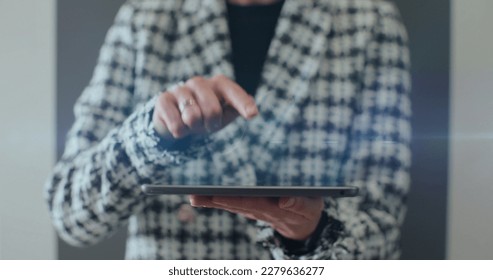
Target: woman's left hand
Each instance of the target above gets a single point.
(294, 218)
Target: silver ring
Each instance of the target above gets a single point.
(184, 105)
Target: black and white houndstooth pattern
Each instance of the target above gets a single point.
(334, 109)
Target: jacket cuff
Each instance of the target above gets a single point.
(148, 152)
(327, 232)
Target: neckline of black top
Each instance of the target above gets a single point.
(254, 11)
(251, 31)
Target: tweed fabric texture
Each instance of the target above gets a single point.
(334, 109)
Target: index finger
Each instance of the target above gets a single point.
(235, 96)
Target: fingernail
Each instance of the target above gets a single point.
(197, 205)
(194, 204)
(289, 203)
(251, 111)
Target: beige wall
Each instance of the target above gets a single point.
(471, 164)
(27, 90)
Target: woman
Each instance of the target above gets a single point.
(327, 78)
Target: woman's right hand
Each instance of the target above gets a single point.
(201, 106)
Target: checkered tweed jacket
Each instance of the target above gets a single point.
(334, 108)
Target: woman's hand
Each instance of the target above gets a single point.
(294, 218)
(201, 106)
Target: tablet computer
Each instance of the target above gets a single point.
(255, 191)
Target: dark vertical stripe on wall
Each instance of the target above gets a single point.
(81, 29)
(428, 23)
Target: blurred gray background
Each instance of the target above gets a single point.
(47, 54)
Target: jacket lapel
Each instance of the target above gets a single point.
(291, 67)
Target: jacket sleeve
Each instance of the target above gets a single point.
(378, 157)
(111, 148)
